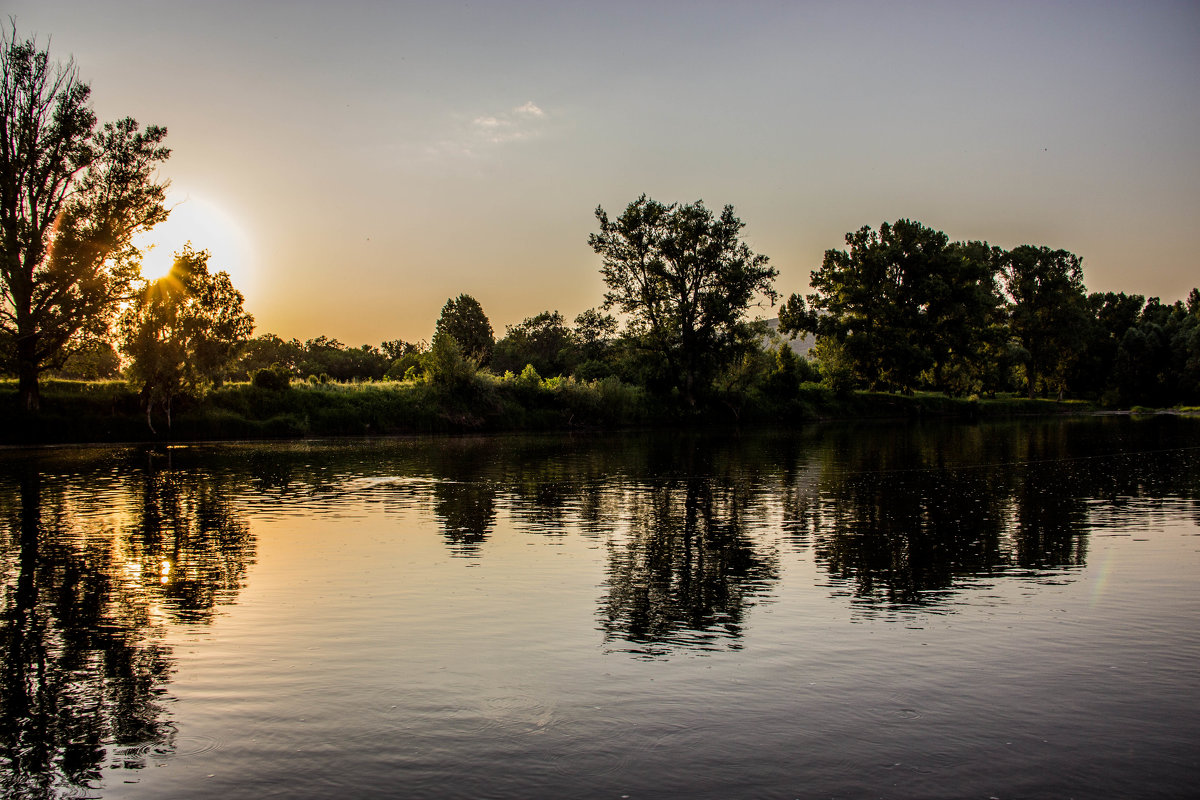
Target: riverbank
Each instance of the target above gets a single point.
(110, 411)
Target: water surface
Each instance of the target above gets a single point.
(1005, 610)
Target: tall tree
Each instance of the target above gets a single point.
(463, 318)
(1110, 315)
(967, 327)
(71, 199)
(183, 332)
(875, 298)
(1048, 311)
(686, 279)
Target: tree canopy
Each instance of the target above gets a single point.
(543, 340)
(463, 318)
(1047, 311)
(71, 199)
(182, 333)
(904, 305)
(686, 279)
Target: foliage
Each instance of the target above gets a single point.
(266, 350)
(182, 333)
(325, 356)
(593, 334)
(685, 278)
(71, 199)
(462, 318)
(315, 357)
(1048, 312)
(276, 378)
(1158, 358)
(835, 367)
(447, 367)
(543, 340)
(94, 360)
(906, 306)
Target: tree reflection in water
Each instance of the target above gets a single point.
(467, 511)
(687, 569)
(189, 543)
(95, 559)
(85, 672)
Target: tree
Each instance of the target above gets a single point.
(686, 279)
(71, 199)
(966, 332)
(463, 318)
(594, 333)
(325, 356)
(543, 340)
(593, 336)
(1110, 315)
(266, 351)
(1047, 311)
(95, 361)
(182, 333)
(906, 306)
(447, 368)
(900, 301)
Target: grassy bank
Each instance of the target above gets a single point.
(109, 411)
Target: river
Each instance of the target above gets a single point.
(1004, 609)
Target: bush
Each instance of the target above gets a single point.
(276, 377)
(447, 367)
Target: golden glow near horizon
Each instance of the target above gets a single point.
(208, 227)
(435, 149)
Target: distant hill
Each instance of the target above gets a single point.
(800, 345)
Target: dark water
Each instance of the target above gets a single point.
(1005, 610)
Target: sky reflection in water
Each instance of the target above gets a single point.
(896, 610)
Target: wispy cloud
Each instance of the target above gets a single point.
(484, 133)
(514, 125)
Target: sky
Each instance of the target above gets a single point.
(354, 165)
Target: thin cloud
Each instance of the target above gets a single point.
(515, 125)
(479, 136)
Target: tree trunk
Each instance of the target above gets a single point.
(27, 376)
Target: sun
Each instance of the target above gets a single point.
(207, 226)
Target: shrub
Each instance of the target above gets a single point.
(276, 377)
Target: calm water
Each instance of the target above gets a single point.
(1004, 610)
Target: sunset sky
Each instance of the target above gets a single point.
(355, 164)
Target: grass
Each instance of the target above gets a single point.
(110, 411)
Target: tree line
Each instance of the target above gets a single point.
(900, 309)
(904, 308)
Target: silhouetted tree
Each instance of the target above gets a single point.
(904, 305)
(1110, 315)
(329, 357)
(543, 340)
(463, 318)
(686, 279)
(182, 333)
(71, 199)
(267, 350)
(1047, 311)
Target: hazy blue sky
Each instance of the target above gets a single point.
(356, 164)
